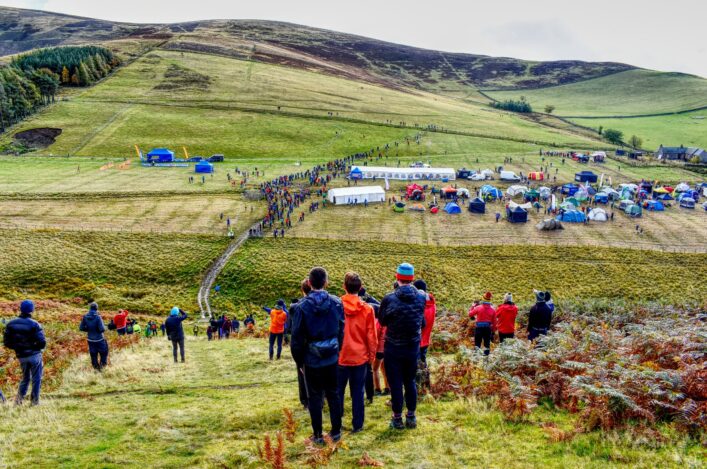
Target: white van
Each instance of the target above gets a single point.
(509, 176)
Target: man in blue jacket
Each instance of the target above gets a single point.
(26, 337)
(175, 331)
(402, 312)
(317, 334)
(97, 345)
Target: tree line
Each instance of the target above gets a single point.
(512, 105)
(32, 80)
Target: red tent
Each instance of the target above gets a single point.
(536, 176)
(412, 188)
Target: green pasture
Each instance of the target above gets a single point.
(630, 93)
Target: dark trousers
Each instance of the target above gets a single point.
(369, 382)
(401, 369)
(121, 331)
(277, 337)
(483, 334)
(96, 350)
(32, 369)
(178, 343)
(322, 382)
(302, 387)
(423, 354)
(534, 333)
(355, 377)
(503, 336)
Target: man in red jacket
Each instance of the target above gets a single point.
(121, 322)
(485, 317)
(358, 348)
(506, 318)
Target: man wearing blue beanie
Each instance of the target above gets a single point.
(175, 332)
(93, 325)
(26, 337)
(402, 312)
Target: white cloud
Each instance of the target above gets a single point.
(661, 35)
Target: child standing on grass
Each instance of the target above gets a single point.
(278, 317)
(358, 349)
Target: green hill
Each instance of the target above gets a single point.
(630, 93)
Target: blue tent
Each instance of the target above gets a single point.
(586, 176)
(517, 215)
(477, 206)
(491, 191)
(203, 167)
(665, 197)
(687, 202)
(572, 216)
(601, 198)
(452, 208)
(654, 205)
(160, 155)
(356, 173)
(569, 189)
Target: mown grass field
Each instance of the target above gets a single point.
(378, 222)
(162, 214)
(145, 412)
(138, 271)
(268, 269)
(630, 93)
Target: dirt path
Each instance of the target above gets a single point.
(215, 269)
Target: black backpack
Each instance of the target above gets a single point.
(111, 326)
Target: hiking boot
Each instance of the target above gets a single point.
(386, 392)
(378, 392)
(316, 440)
(369, 401)
(410, 422)
(396, 423)
(335, 437)
(356, 430)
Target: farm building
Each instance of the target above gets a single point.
(405, 174)
(160, 155)
(681, 153)
(356, 195)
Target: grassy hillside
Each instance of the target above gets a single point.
(146, 412)
(213, 104)
(630, 93)
(268, 269)
(689, 129)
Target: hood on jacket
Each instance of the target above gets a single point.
(407, 293)
(353, 305)
(321, 301)
(92, 315)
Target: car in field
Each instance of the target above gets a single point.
(482, 176)
(509, 176)
(419, 164)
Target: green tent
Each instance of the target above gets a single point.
(399, 207)
(573, 201)
(634, 211)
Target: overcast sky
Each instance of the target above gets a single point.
(662, 35)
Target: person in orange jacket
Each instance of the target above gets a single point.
(506, 318)
(358, 348)
(278, 318)
(430, 313)
(485, 317)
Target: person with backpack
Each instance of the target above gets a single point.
(540, 316)
(25, 336)
(402, 313)
(175, 332)
(370, 382)
(317, 334)
(506, 314)
(278, 318)
(301, 387)
(121, 322)
(358, 349)
(485, 317)
(92, 324)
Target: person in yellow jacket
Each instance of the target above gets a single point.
(278, 318)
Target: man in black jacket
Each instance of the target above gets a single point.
(97, 345)
(26, 337)
(402, 312)
(540, 316)
(317, 334)
(175, 332)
